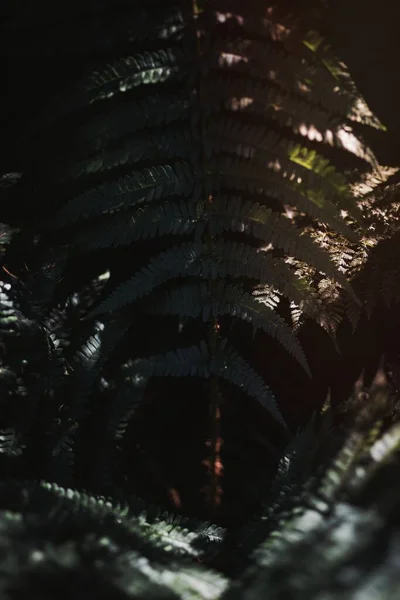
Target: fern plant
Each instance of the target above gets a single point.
(183, 173)
(185, 190)
(336, 508)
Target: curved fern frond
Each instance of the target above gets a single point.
(322, 51)
(181, 535)
(247, 175)
(249, 96)
(242, 260)
(127, 554)
(175, 262)
(142, 186)
(133, 116)
(124, 74)
(197, 361)
(83, 370)
(259, 143)
(290, 73)
(136, 115)
(239, 260)
(302, 169)
(177, 143)
(181, 218)
(147, 222)
(194, 300)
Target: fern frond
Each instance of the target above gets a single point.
(94, 353)
(133, 116)
(82, 372)
(197, 361)
(181, 535)
(175, 143)
(248, 96)
(303, 169)
(140, 187)
(124, 74)
(147, 222)
(273, 228)
(195, 300)
(324, 54)
(123, 554)
(226, 258)
(336, 520)
(289, 72)
(177, 261)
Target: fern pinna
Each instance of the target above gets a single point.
(181, 169)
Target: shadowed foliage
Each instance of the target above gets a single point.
(190, 192)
